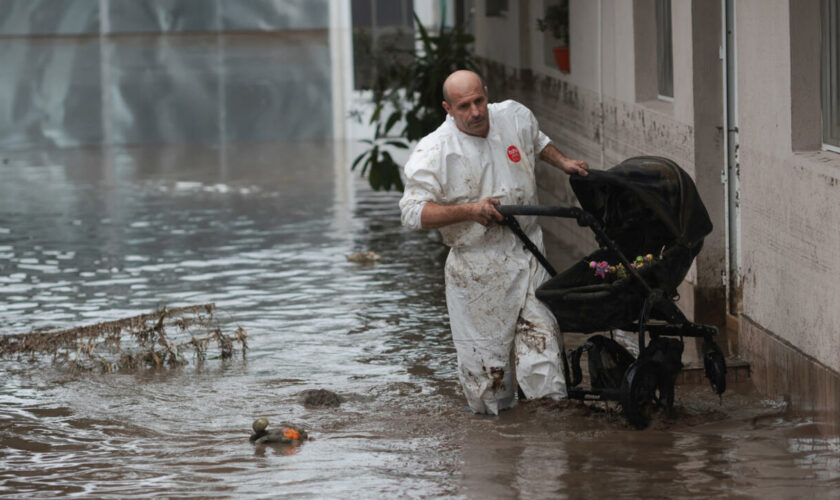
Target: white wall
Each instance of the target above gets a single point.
(790, 201)
(497, 38)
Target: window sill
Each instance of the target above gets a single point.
(554, 72)
(659, 106)
(824, 162)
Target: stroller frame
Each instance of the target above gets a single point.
(648, 382)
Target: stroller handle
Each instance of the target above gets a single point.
(568, 212)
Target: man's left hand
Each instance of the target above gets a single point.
(571, 166)
(555, 157)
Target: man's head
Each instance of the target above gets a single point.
(465, 99)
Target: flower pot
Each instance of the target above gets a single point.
(561, 55)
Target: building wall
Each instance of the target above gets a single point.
(790, 213)
(789, 190)
(498, 35)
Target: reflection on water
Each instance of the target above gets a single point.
(262, 230)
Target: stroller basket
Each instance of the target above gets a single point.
(583, 302)
(646, 206)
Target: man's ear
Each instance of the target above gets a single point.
(446, 107)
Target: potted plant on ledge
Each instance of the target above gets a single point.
(556, 22)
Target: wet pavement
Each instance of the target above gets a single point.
(97, 234)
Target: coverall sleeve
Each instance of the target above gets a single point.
(422, 184)
(540, 139)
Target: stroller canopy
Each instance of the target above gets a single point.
(645, 203)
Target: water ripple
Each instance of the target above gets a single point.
(271, 254)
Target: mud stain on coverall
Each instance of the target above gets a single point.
(531, 335)
(498, 375)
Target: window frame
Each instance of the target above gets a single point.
(830, 75)
(664, 50)
(496, 8)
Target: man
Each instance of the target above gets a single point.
(481, 156)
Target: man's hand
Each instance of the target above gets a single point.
(484, 211)
(571, 166)
(553, 156)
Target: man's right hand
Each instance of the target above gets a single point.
(485, 212)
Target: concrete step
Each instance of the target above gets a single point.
(737, 370)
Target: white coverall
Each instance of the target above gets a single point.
(498, 325)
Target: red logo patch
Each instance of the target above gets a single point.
(513, 154)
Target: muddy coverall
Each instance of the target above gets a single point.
(502, 333)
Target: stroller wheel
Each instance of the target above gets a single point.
(666, 391)
(715, 367)
(640, 392)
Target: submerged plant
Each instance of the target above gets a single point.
(151, 340)
(409, 83)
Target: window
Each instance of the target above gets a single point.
(464, 14)
(664, 50)
(554, 24)
(496, 8)
(379, 27)
(830, 84)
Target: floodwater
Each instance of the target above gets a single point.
(262, 229)
(267, 242)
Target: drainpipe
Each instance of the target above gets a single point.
(731, 173)
(105, 90)
(601, 81)
(341, 60)
(221, 87)
(105, 70)
(341, 55)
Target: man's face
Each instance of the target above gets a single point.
(468, 107)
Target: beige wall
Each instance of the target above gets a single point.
(498, 37)
(791, 201)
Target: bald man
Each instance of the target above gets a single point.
(484, 155)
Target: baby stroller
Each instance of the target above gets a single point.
(648, 208)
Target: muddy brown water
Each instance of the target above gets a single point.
(98, 234)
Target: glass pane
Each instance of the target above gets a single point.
(389, 13)
(554, 24)
(362, 13)
(664, 50)
(496, 8)
(830, 93)
(382, 30)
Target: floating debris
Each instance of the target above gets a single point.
(319, 398)
(149, 340)
(363, 257)
(286, 434)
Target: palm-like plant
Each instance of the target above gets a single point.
(413, 88)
